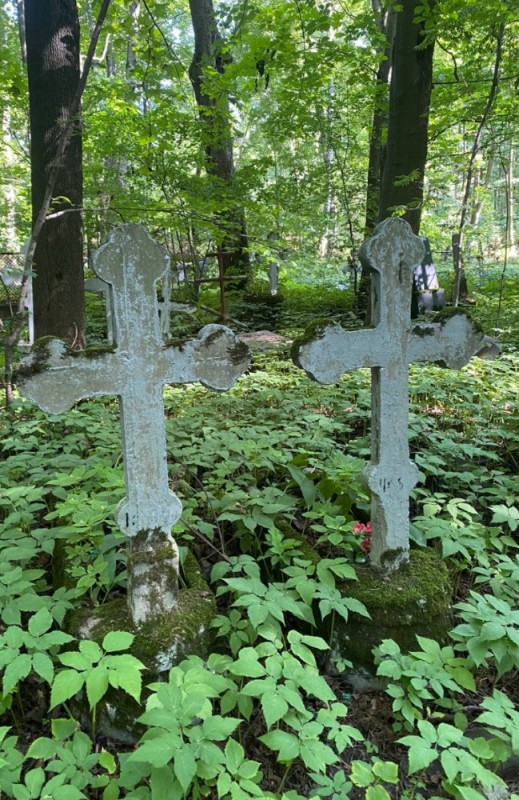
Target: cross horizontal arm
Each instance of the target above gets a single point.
(451, 343)
(216, 359)
(335, 351)
(55, 380)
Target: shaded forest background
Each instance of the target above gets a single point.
(249, 127)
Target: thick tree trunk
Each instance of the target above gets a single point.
(213, 105)
(386, 22)
(52, 32)
(409, 100)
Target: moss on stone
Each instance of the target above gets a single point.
(443, 316)
(413, 600)
(315, 331)
(93, 351)
(160, 644)
(37, 360)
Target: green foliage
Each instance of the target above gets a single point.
(71, 759)
(489, 632)
(256, 487)
(96, 668)
(423, 679)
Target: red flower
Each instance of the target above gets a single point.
(362, 529)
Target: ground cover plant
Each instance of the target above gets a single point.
(261, 471)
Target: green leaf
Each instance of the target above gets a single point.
(377, 793)
(420, 756)
(131, 681)
(234, 755)
(34, 780)
(450, 765)
(90, 650)
(157, 752)
(274, 708)
(40, 622)
(43, 748)
(67, 793)
(117, 640)
(107, 761)
(96, 684)
(387, 771)
(63, 728)
(286, 744)
(248, 668)
(223, 784)
(43, 666)
(464, 677)
(184, 764)
(111, 791)
(16, 671)
(75, 660)
(219, 728)
(490, 631)
(66, 684)
(361, 774)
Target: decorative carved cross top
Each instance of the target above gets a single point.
(131, 262)
(388, 348)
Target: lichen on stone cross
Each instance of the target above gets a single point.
(388, 348)
(137, 370)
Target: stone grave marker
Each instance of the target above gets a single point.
(392, 253)
(427, 295)
(136, 370)
(167, 306)
(101, 287)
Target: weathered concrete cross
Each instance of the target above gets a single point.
(131, 262)
(388, 348)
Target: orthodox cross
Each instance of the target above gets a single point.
(391, 254)
(136, 370)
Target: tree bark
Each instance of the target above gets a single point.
(386, 19)
(213, 105)
(52, 33)
(386, 23)
(409, 101)
(460, 290)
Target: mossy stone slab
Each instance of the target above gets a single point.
(414, 600)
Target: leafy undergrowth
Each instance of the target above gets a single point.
(268, 714)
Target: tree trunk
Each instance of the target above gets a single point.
(386, 22)
(510, 227)
(460, 290)
(213, 105)
(20, 12)
(409, 100)
(11, 237)
(52, 32)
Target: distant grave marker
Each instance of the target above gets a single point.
(392, 253)
(427, 295)
(136, 370)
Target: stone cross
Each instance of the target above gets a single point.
(392, 253)
(136, 370)
(167, 306)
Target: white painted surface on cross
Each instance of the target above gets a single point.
(131, 262)
(137, 369)
(388, 348)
